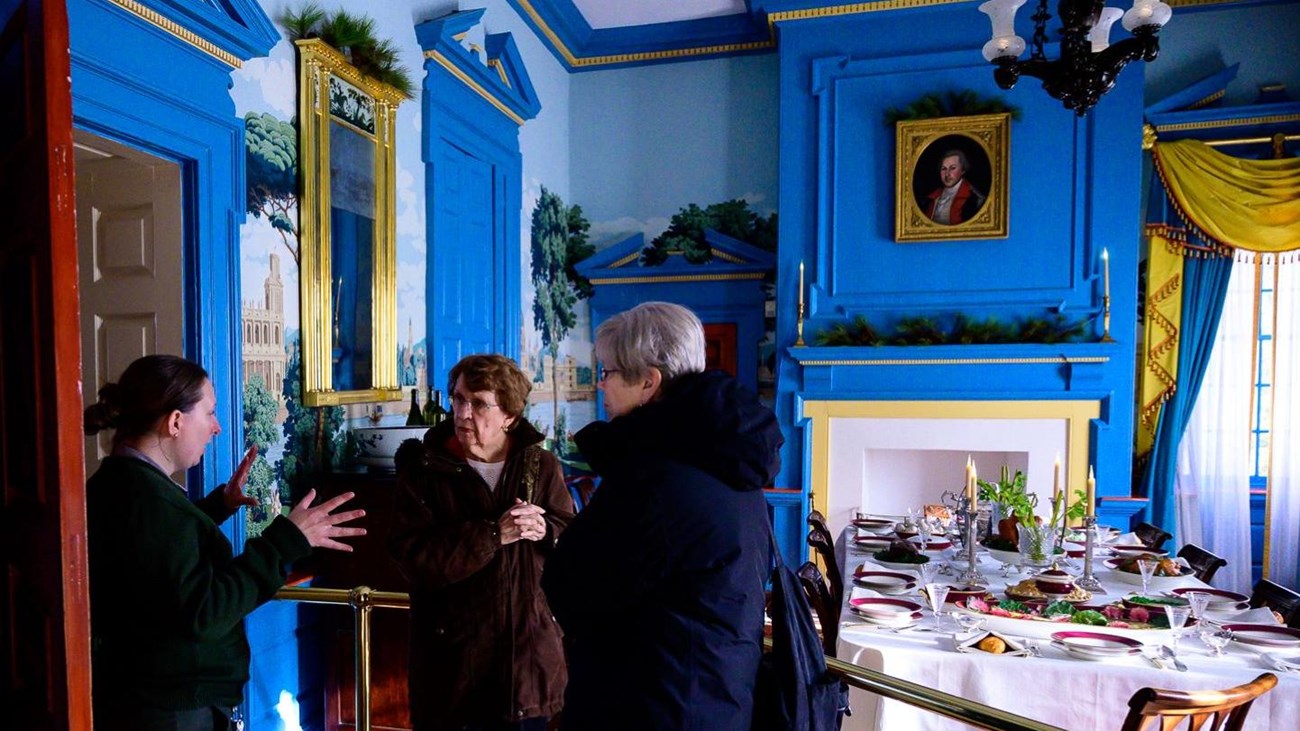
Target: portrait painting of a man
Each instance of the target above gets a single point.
(952, 178)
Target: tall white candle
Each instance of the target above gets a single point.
(801, 286)
(1056, 478)
(1105, 272)
(1092, 493)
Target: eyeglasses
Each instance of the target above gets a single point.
(603, 373)
(458, 403)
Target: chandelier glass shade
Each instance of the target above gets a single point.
(1089, 62)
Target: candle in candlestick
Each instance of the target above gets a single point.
(1092, 493)
(801, 286)
(974, 485)
(1105, 273)
(1056, 478)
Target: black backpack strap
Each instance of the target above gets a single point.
(776, 549)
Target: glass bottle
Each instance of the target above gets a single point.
(414, 417)
(434, 413)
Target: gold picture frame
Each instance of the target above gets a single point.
(348, 230)
(970, 205)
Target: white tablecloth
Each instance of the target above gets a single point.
(1055, 689)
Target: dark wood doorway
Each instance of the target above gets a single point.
(45, 683)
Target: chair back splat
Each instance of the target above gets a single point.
(819, 598)
(1151, 536)
(1204, 563)
(1278, 598)
(1208, 710)
(821, 541)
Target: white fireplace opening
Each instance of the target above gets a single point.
(887, 457)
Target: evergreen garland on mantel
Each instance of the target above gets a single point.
(964, 331)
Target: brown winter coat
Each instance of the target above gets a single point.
(484, 645)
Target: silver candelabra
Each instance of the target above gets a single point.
(1088, 581)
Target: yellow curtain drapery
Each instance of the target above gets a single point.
(1251, 205)
(1227, 206)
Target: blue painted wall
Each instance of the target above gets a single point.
(1073, 189)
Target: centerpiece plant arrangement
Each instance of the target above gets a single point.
(1018, 528)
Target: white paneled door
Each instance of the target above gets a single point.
(129, 238)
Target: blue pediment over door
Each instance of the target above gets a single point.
(727, 290)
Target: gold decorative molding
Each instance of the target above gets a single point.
(1216, 96)
(668, 278)
(626, 260)
(500, 68)
(851, 9)
(952, 361)
(726, 257)
(1216, 124)
(156, 19)
(446, 63)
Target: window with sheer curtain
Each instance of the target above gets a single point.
(1240, 426)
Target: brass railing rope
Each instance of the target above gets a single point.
(362, 599)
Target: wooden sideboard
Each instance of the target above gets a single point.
(370, 565)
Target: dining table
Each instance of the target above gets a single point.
(1047, 684)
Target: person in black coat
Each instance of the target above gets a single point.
(658, 583)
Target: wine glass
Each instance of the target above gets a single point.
(1147, 567)
(936, 595)
(967, 622)
(1197, 601)
(1215, 638)
(1177, 618)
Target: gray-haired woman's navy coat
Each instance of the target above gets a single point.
(658, 583)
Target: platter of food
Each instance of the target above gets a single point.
(1031, 589)
(900, 556)
(1133, 550)
(1040, 619)
(1169, 572)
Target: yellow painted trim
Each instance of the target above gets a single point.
(500, 68)
(953, 361)
(1077, 414)
(1216, 96)
(577, 62)
(726, 257)
(851, 9)
(626, 260)
(474, 85)
(156, 19)
(1248, 121)
(679, 278)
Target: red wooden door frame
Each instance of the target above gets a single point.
(45, 601)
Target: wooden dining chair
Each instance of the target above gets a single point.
(1204, 563)
(821, 542)
(819, 599)
(1151, 536)
(1207, 710)
(1278, 598)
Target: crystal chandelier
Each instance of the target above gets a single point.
(1089, 63)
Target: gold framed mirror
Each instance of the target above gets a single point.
(348, 278)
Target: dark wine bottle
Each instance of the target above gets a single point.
(434, 413)
(414, 417)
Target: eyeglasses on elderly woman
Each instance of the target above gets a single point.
(460, 403)
(603, 373)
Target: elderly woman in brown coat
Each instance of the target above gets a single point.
(479, 506)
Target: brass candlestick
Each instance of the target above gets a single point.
(1105, 320)
(798, 343)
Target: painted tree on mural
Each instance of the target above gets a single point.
(271, 155)
(260, 431)
(313, 441)
(686, 231)
(559, 237)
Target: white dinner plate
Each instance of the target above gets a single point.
(1264, 635)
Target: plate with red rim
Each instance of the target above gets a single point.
(882, 608)
(882, 579)
(1130, 550)
(1095, 645)
(935, 544)
(874, 525)
(872, 543)
(1264, 635)
(1220, 599)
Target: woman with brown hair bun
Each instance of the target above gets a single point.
(167, 596)
(479, 506)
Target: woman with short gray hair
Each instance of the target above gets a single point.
(674, 543)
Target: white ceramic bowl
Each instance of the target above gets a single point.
(1009, 557)
(378, 444)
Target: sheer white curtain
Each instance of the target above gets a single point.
(1284, 477)
(1214, 467)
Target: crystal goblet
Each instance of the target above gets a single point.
(1177, 618)
(1147, 568)
(936, 595)
(1216, 638)
(1197, 601)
